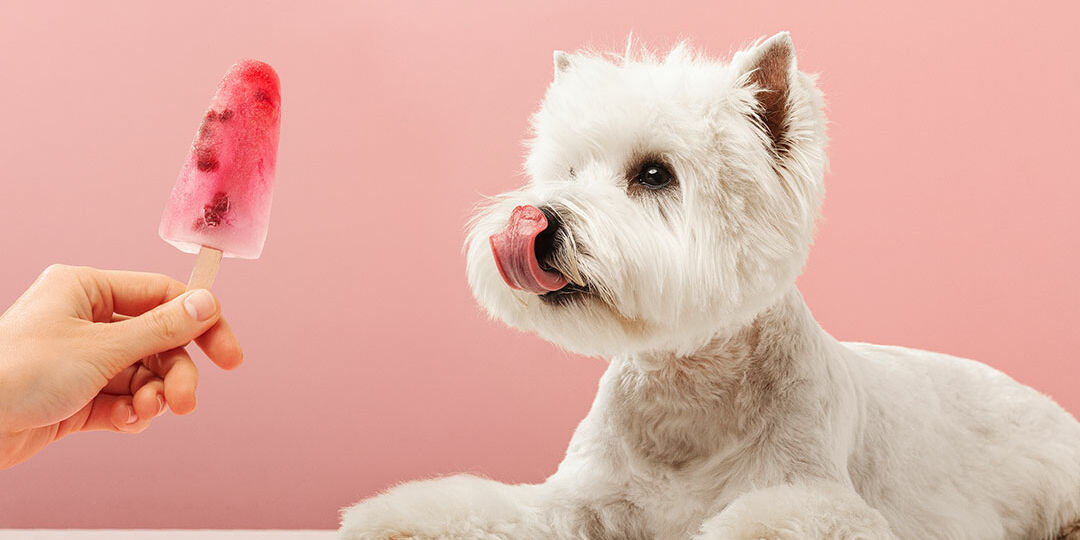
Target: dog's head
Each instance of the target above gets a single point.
(670, 201)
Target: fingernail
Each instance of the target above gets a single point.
(160, 404)
(132, 417)
(200, 305)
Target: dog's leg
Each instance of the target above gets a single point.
(454, 508)
(806, 512)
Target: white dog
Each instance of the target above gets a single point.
(671, 207)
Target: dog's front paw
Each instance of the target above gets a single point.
(455, 508)
(727, 528)
(393, 517)
(824, 511)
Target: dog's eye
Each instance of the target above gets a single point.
(654, 175)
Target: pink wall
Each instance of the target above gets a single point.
(951, 223)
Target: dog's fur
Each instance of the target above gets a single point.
(727, 412)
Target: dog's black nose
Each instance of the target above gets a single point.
(548, 239)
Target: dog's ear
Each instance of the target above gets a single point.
(563, 61)
(770, 68)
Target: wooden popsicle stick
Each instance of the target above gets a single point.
(206, 267)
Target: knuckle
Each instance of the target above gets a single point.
(172, 287)
(56, 270)
(163, 325)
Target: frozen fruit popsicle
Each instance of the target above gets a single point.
(220, 204)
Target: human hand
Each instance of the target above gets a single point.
(85, 349)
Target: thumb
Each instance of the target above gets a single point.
(168, 326)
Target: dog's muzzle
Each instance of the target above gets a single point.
(528, 238)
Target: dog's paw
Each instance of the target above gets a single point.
(395, 517)
(343, 535)
(454, 508)
(786, 512)
(718, 530)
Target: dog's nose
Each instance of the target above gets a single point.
(547, 240)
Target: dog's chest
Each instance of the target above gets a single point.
(672, 417)
(673, 425)
(694, 433)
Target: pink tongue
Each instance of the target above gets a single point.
(515, 253)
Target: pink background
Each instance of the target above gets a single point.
(951, 223)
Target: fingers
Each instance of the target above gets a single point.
(95, 294)
(139, 401)
(139, 393)
(135, 293)
(115, 413)
(140, 379)
(121, 382)
(180, 379)
(150, 300)
(221, 346)
(165, 327)
(147, 401)
(219, 343)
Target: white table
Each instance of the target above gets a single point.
(161, 534)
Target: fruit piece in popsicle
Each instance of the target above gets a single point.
(220, 204)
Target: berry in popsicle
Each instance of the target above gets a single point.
(220, 204)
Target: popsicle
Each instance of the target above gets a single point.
(220, 204)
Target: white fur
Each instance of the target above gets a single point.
(727, 412)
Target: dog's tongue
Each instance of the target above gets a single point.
(515, 253)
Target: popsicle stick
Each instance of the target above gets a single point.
(206, 267)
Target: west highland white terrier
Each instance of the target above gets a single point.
(671, 206)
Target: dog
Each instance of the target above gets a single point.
(670, 208)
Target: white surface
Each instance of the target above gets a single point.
(145, 534)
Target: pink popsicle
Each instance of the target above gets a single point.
(221, 200)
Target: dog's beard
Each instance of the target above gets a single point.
(566, 261)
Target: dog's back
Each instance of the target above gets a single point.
(952, 444)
